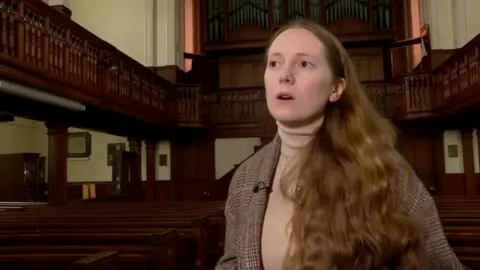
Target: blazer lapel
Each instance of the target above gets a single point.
(258, 205)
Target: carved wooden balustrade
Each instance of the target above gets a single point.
(190, 106)
(41, 47)
(230, 22)
(237, 106)
(382, 96)
(413, 95)
(245, 106)
(451, 87)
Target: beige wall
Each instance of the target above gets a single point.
(23, 136)
(452, 22)
(454, 165)
(232, 151)
(149, 31)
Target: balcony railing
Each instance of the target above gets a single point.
(41, 47)
(245, 106)
(237, 106)
(451, 87)
(190, 106)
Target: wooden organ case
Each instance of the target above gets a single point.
(228, 22)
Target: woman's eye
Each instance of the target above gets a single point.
(273, 63)
(305, 64)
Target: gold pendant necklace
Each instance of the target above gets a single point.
(295, 190)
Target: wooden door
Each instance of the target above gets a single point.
(126, 173)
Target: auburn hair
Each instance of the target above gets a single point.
(348, 213)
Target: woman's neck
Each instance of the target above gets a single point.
(295, 137)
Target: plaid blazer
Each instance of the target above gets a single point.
(245, 210)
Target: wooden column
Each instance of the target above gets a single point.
(135, 146)
(441, 186)
(150, 147)
(57, 163)
(468, 163)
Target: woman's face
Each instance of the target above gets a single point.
(298, 79)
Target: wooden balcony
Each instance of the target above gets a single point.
(190, 106)
(44, 49)
(452, 87)
(232, 24)
(246, 108)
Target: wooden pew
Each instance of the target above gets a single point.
(213, 212)
(155, 250)
(460, 217)
(114, 217)
(59, 260)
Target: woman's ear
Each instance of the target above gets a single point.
(338, 90)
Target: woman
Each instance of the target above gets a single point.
(330, 191)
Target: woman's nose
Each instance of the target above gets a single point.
(287, 77)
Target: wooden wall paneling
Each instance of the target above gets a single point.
(399, 56)
(439, 159)
(471, 186)
(368, 62)
(244, 70)
(424, 163)
(150, 147)
(165, 191)
(247, 70)
(477, 175)
(193, 168)
(419, 150)
(205, 154)
(182, 162)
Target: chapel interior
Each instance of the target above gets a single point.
(123, 121)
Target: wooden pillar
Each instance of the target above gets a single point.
(150, 147)
(57, 163)
(441, 187)
(135, 146)
(468, 162)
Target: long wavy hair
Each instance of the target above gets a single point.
(347, 212)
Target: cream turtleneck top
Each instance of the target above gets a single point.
(276, 229)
